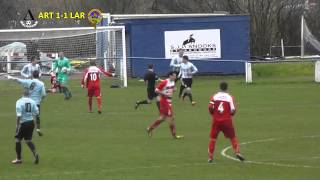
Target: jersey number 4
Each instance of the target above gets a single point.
(221, 108)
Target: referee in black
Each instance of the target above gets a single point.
(150, 78)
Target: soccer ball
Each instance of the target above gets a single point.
(64, 70)
(28, 22)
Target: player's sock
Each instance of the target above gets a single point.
(143, 102)
(211, 147)
(173, 129)
(235, 145)
(190, 97)
(64, 91)
(90, 104)
(99, 102)
(18, 150)
(184, 95)
(37, 121)
(32, 148)
(68, 93)
(155, 124)
(181, 90)
(158, 104)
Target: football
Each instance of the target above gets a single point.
(64, 70)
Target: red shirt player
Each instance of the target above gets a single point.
(91, 81)
(165, 89)
(222, 108)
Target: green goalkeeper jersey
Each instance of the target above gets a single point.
(58, 65)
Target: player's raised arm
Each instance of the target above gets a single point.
(105, 73)
(24, 71)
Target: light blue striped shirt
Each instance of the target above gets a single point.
(35, 87)
(26, 108)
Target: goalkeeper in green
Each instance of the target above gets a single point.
(62, 67)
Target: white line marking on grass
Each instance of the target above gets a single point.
(224, 153)
(107, 170)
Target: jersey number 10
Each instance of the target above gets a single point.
(93, 77)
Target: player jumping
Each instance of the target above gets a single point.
(222, 108)
(165, 89)
(91, 81)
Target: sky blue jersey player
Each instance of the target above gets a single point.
(26, 108)
(37, 93)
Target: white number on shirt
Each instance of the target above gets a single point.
(93, 76)
(221, 108)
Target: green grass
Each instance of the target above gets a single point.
(114, 145)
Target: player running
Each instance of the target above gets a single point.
(187, 70)
(28, 69)
(222, 108)
(62, 67)
(150, 79)
(25, 109)
(165, 89)
(37, 93)
(91, 81)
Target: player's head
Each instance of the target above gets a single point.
(185, 59)
(33, 60)
(61, 55)
(172, 75)
(150, 66)
(224, 86)
(35, 74)
(92, 62)
(181, 51)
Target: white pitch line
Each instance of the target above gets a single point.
(223, 153)
(108, 170)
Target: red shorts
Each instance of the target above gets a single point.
(225, 126)
(166, 110)
(94, 91)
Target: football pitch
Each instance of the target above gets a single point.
(277, 124)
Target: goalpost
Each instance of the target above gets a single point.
(309, 52)
(105, 44)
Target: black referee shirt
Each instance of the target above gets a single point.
(150, 77)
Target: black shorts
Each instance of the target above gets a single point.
(25, 131)
(151, 93)
(187, 82)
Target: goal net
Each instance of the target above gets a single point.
(310, 45)
(105, 44)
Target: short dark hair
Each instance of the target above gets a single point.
(185, 57)
(224, 86)
(171, 73)
(35, 74)
(33, 58)
(92, 62)
(150, 66)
